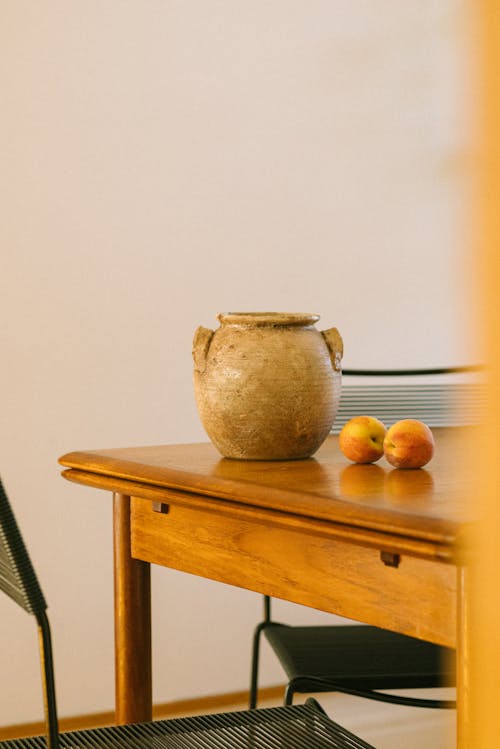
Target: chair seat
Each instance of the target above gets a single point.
(364, 657)
(301, 727)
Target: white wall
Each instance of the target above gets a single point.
(165, 160)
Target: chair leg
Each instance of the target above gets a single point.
(49, 692)
(255, 664)
(256, 650)
(289, 692)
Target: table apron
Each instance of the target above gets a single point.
(417, 597)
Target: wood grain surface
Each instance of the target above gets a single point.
(416, 597)
(430, 504)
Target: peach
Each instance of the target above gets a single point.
(409, 444)
(362, 438)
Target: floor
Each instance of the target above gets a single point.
(391, 726)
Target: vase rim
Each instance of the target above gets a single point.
(268, 318)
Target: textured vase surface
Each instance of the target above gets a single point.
(267, 384)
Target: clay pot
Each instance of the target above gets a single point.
(267, 384)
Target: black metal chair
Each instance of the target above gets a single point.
(363, 660)
(301, 727)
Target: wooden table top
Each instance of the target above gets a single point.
(428, 504)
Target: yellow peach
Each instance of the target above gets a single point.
(361, 439)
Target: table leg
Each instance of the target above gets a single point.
(464, 729)
(133, 687)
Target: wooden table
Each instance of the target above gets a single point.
(378, 545)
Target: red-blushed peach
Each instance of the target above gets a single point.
(409, 444)
(362, 439)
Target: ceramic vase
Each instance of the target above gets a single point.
(267, 384)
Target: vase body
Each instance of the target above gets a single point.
(267, 385)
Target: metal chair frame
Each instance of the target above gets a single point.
(308, 683)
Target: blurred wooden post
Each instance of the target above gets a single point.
(485, 609)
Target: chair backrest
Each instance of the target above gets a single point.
(452, 396)
(19, 581)
(17, 576)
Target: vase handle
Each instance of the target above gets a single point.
(201, 344)
(335, 344)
